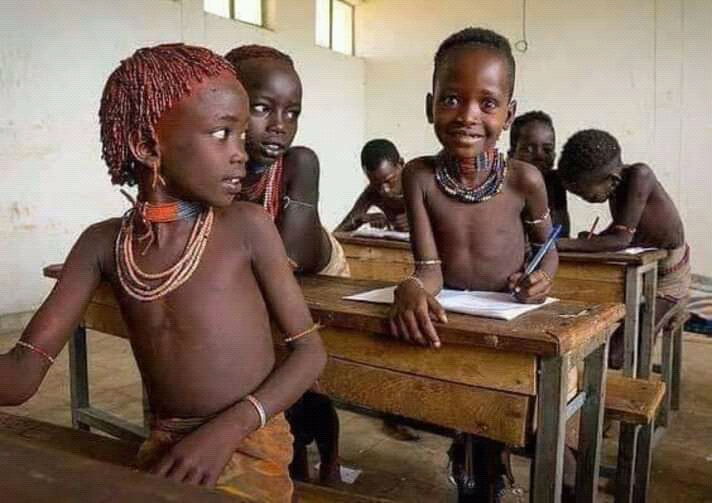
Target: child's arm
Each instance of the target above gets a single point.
(359, 213)
(200, 457)
(414, 303)
(619, 235)
(537, 222)
(22, 369)
(299, 223)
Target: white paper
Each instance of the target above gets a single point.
(496, 305)
(348, 475)
(637, 250)
(366, 231)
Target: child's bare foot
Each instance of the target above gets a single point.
(399, 431)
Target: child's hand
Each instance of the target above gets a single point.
(400, 223)
(376, 220)
(411, 315)
(531, 289)
(199, 458)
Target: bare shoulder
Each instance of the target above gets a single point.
(640, 173)
(96, 243)
(419, 169)
(301, 161)
(524, 177)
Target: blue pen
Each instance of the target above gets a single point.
(534, 263)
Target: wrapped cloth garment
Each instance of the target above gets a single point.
(258, 470)
(674, 275)
(337, 265)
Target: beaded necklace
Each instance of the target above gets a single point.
(138, 283)
(448, 170)
(269, 185)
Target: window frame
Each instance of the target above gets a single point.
(232, 10)
(331, 27)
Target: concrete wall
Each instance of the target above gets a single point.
(638, 68)
(55, 56)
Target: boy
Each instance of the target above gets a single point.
(642, 212)
(532, 139)
(285, 180)
(468, 208)
(196, 296)
(383, 166)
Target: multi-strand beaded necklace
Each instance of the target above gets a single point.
(448, 172)
(269, 185)
(146, 286)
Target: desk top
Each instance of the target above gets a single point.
(348, 238)
(34, 471)
(552, 329)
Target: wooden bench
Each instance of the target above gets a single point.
(635, 403)
(41, 436)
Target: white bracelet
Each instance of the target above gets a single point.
(259, 408)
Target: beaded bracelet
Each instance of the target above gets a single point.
(428, 262)
(259, 408)
(37, 350)
(298, 336)
(540, 220)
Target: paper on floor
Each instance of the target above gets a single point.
(496, 305)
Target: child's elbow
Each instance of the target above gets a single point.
(13, 396)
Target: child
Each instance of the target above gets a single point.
(285, 180)
(196, 295)
(532, 139)
(642, 212)
(383, 167)
(468, 208)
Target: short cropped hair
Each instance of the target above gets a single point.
(524, 119)
(140, 90)
(477, 37)
(586, 155)
(239, 55)
(376, 151)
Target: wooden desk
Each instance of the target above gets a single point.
(34, 468)
(583, 277)
(485, 379)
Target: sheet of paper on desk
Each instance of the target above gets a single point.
(496, 305)
(637, 250)
(366, 231)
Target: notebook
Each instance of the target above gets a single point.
(637, 250)
(496, 305)
(366, 231)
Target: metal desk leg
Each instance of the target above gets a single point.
(633, 291)
(643, 458)
(78, 377)
(667, 371)
(591, 426)
(647, 320)
(146, 411)
(548, 464)
(625, 468)
(676, 378)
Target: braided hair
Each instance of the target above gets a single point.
(140, 90)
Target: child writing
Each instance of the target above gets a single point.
(196, 296)
(642, 212)
(285, 180)
(532, 139)
(469, 209)
(383, 166)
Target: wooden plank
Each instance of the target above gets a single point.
(492, 414)
(377, 270)
(588, 292)
(345, 238)
(552, 329)
(587, 271)
(486, 368)
(619, 257)
(310, 493)
(33, 472)
(632, 400)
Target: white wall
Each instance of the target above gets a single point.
(55, 56)
(638, 68)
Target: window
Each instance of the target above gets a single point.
(248, 11)
(335, 25)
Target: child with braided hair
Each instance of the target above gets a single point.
(196, 296)
(285, 181)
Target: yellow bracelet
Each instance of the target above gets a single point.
(298, 336)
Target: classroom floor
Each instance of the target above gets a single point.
(414, 471)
